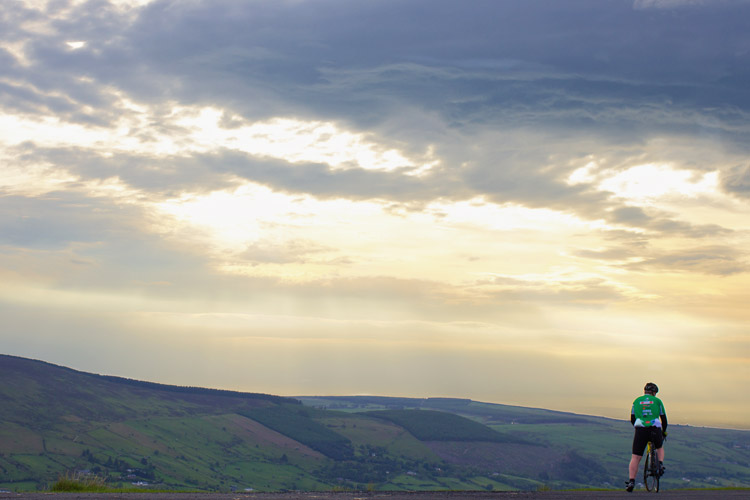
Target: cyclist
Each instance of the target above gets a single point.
(650, 422)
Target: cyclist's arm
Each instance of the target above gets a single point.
(663, 418)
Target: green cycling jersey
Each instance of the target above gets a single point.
(647, 411)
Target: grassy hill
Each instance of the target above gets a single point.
(54, 421)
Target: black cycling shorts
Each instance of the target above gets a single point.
(642, 436)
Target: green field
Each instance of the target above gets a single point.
(695, 457)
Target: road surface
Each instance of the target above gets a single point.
(453, 495)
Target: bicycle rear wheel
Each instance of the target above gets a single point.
(651, 471)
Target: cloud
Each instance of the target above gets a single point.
(662, 224)
(715, 260)
(672, 4)
(160, 176)
(736, 180)
(608, 254)
(289, 252)
(571, 288)
(222, 53)
(59, 220)
(266, 60)
(499, 121)
(640, 253)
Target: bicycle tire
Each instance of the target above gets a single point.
(651, 471)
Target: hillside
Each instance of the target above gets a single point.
(583, 449)
(55, 420)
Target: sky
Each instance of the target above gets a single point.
(536, 203)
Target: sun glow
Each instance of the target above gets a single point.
(232, 219)
(247, 229)
(292, 140)
(509, 216)
(649, 182)
(187, 130)
(236, 218)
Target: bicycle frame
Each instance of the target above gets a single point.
(651, 469)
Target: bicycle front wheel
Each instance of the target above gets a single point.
(651, 472)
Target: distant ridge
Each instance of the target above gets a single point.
(10, 361)
(196, 390)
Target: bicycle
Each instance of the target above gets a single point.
(651, 470)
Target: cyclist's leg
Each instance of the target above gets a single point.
(635, 462)
(658, 438)
(640, 439)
